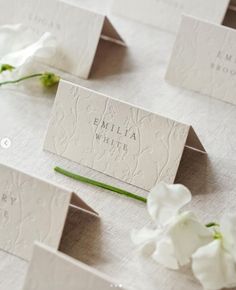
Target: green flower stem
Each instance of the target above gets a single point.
(99, 184)
(21, 79)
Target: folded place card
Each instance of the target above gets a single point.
(77, 30)
(52, 270)
(116, 138)
(32, 210)
(166, 14)
(204, 59)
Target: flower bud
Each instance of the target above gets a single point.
(49, 79)
(4, 67)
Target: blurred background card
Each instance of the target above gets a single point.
(166, 14)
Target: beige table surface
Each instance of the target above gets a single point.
(134, 74)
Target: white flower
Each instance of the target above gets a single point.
(214, 265)
(177, 235)
(20, 49)
(18, 45)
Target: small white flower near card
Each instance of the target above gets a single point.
(117, 138)
(77, 31)
(18, 45)
(177, 234)
(20, 51)
(31, 210)
(51, 270)
(179, 238)
(215, 263)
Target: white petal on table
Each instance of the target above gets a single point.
(228, 229)
(214, 267)
(165, 201)
(187, 235)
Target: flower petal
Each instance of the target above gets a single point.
(187, 235)
(13, 38)
(228, 229)
(214, 267)
(43, 48)
(183, 236)
(164, 201)
(145, 239)
(165, 254)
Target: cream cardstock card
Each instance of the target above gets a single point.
(77, 30)
(52, 270)
(166, 14)
(116, 138)
(204, 59)
(31, 210)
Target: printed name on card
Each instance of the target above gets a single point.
(76, 30)
(166, 14)
(31, 210)
(52, 270)
(204, 59)
(116, 138)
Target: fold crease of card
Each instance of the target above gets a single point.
(117, 138)
(204, 59)
(77, 30)
(31, 210)
(52, 270)
(166, 14)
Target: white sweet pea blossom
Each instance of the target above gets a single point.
(214, 264)
(21, 51)
(177, 234)
(18, 45)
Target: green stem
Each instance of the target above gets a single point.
(21, 79)
(212, 224)
(99, 184)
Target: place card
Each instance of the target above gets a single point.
(77, 30)
(204, 59)
(116, 138)
(52, 270)
(31, 210)
(166, 14)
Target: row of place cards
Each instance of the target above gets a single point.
(199, 60)
(126, 142)
(116, 138)
(34, 210)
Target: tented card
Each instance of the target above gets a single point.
(204, 59)
(31, 210)
(116, 138)
(76, 30)
(52, 270)
(166, 14)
